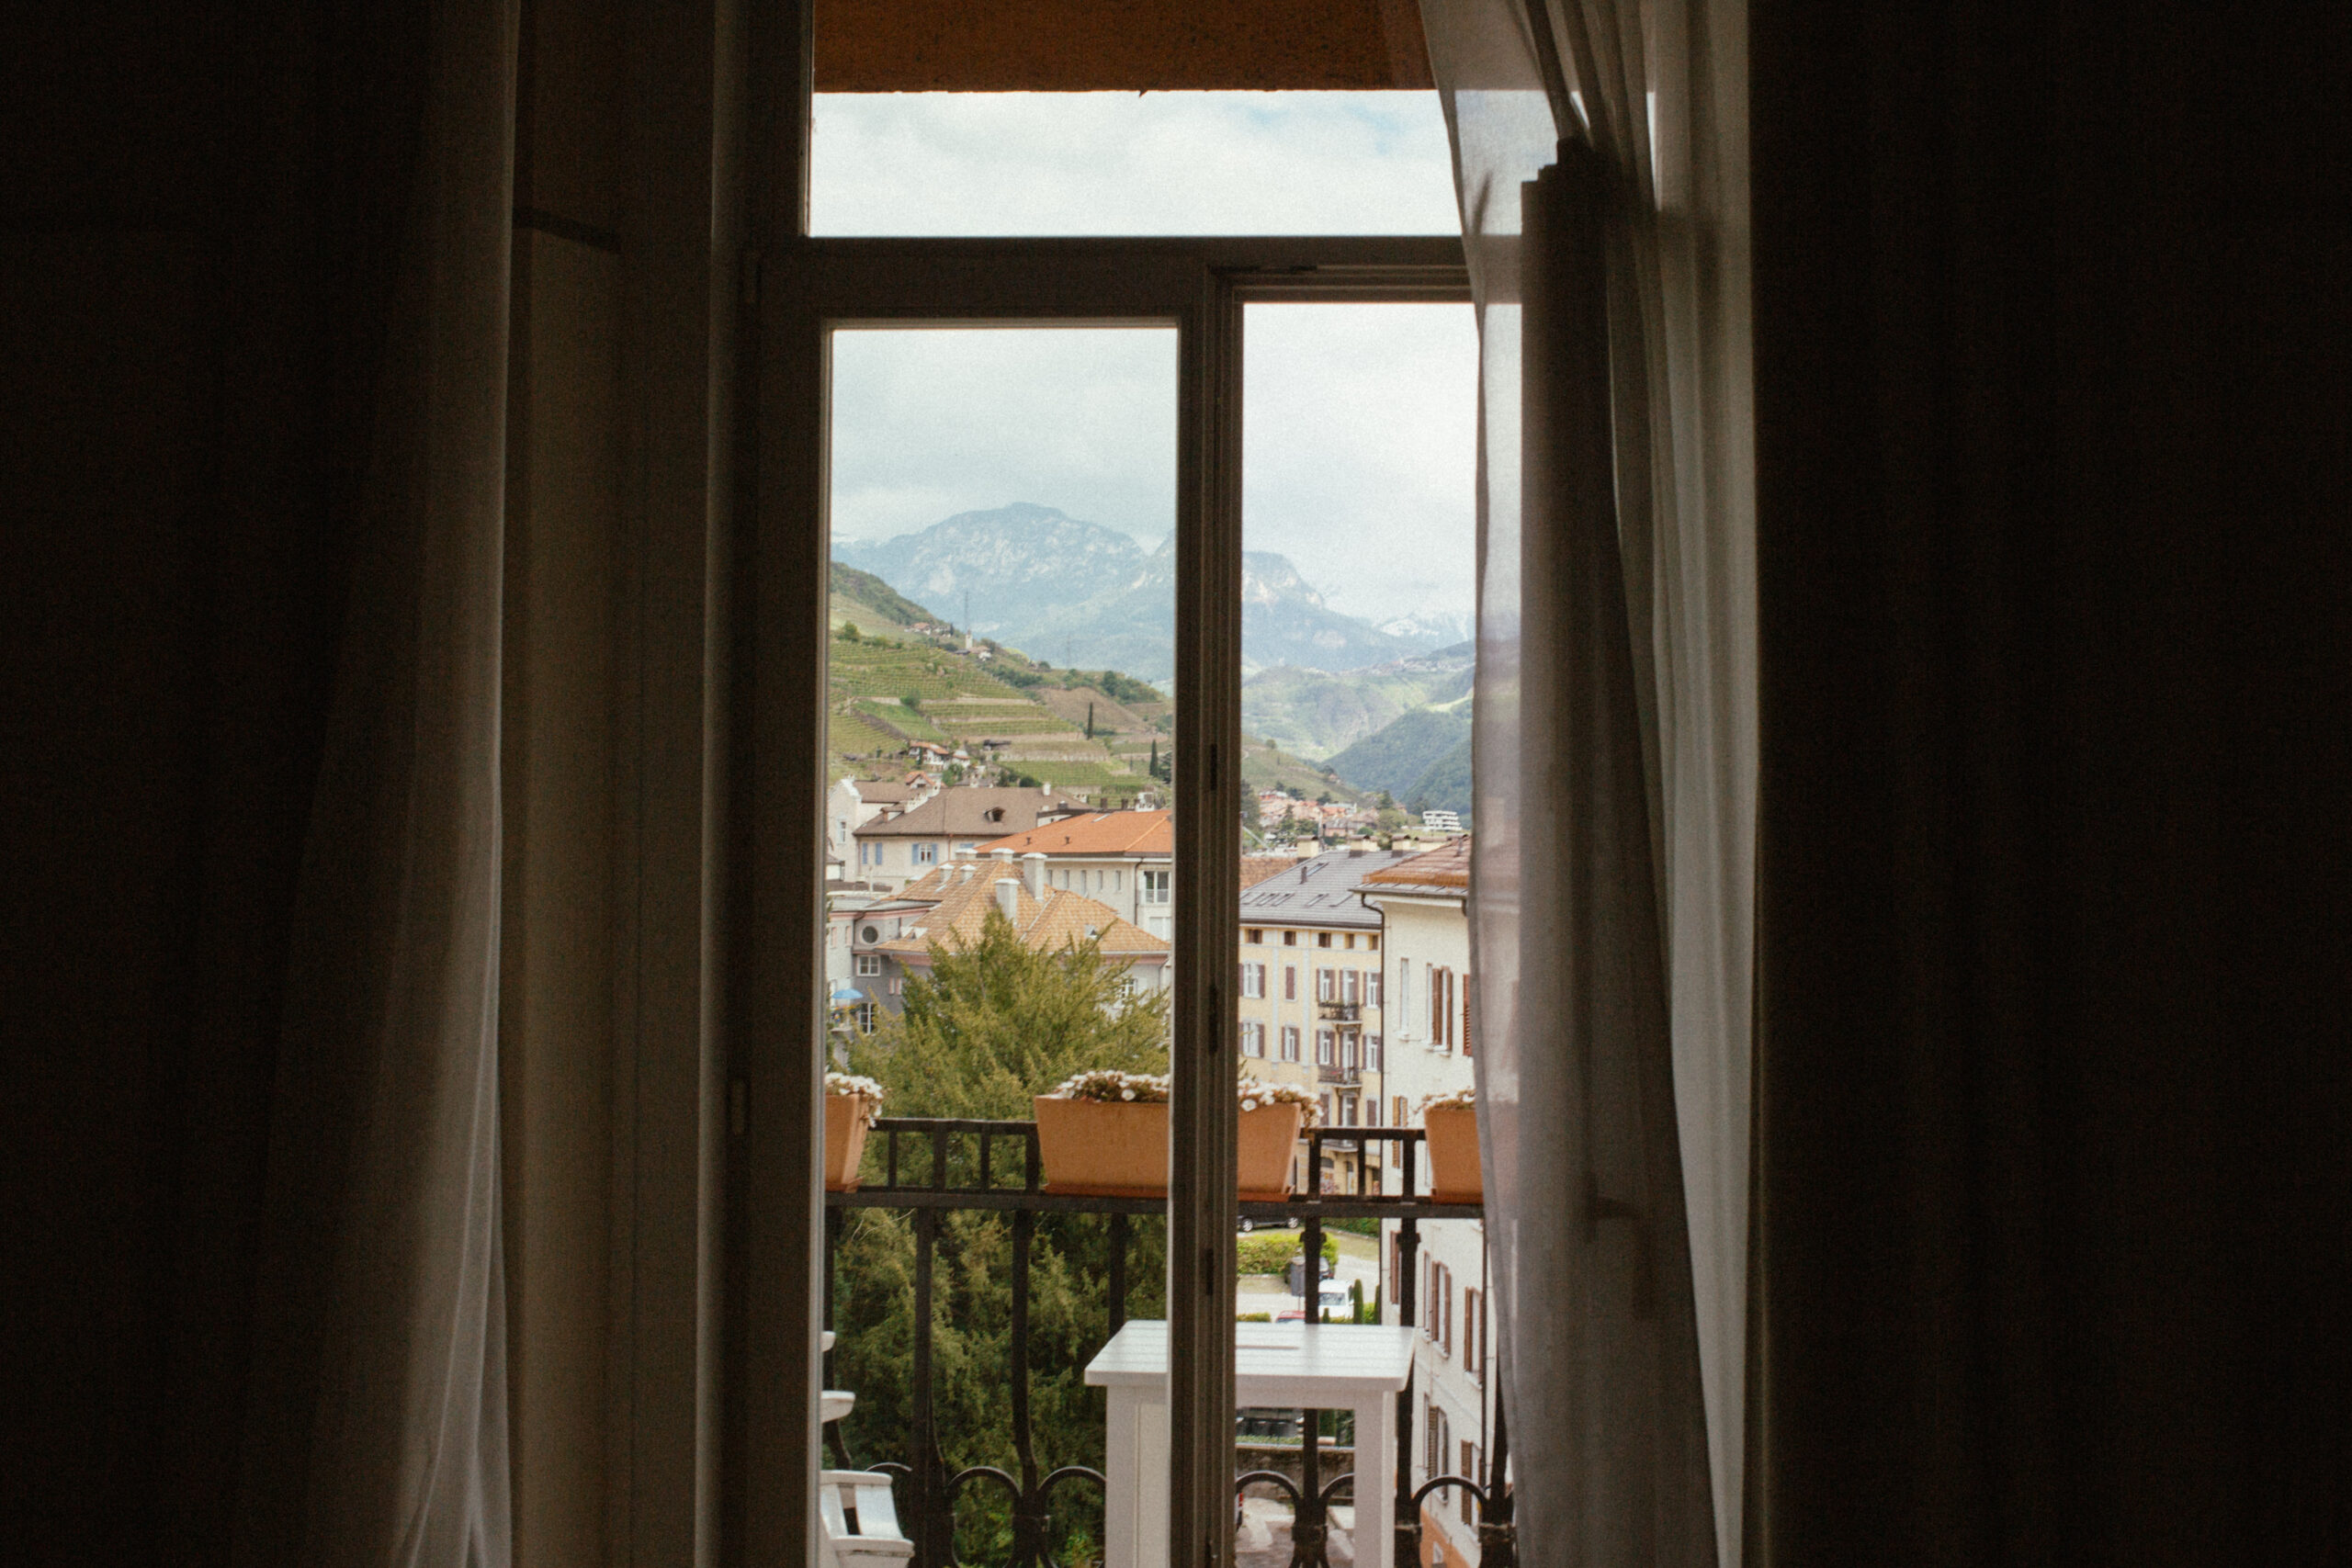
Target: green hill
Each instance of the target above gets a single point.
(1313, 713)
(888, 684)
(1446, 785)
(1397, 756)
(1265, 766)
(864, 600)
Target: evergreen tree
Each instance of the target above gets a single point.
(994, 1024)
(997, 1024)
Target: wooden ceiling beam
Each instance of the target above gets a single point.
(1079, 46)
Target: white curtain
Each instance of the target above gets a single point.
(1615, 752)
(375, 1431)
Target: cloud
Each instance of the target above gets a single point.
(1359, 421)
(928, 423)
(1130, 163)
(1359, 450)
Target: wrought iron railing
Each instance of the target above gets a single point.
(965, 1170)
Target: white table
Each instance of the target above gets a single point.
(1277, 1366)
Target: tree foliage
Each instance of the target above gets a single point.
(994, 1024)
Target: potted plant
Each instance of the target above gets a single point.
(1451, 1122)
(1264, 1135)
(1105, 1134)
(851, 1105)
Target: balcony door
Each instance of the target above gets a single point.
(824, 308)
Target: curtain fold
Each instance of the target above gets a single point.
(376, 1428)
(1600, 161)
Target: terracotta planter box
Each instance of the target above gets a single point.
(1452, 1148)
(1262, 1145)
(845, 1117)
(1096, 1149)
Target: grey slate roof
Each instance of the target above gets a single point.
(1320, 891)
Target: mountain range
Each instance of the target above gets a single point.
(1061, 587)
(1317, 714)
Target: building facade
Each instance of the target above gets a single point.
(1422, 904)
(1310, 997)
(899, 847)
(851, 804)
(891, 941)
(1125, 859)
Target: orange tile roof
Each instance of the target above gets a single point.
(1446, 866)
(1257, 868)
(1095, 833)
(961, 905)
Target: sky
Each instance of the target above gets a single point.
(1359, 421)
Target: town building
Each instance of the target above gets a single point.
(893, 942)
(851, 804)
(1257, 868)
(1421, 902)
(1127, 859)
(896, 848)
(1309, 994)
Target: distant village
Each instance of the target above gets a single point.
(973, 783)
(1353, 970)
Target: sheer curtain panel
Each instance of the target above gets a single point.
(1600, 162)
(375, 1431)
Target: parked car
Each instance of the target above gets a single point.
(1332, 1299)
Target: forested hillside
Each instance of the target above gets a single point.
(1398, 756)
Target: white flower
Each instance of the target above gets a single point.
(1248, 1105)
(1126, 1094)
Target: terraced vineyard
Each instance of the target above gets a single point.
(1036, 720)
(849, 736)
(895, 718)
(1039, 715)
(890, 671)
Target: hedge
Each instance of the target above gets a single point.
(1272, 1253)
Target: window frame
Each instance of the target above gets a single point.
(816, 287)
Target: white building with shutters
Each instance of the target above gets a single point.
(1425, 954)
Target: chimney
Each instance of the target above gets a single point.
(1007, 897)
(1032, 873)
(1003, 858)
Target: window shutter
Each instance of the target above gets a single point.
(1465, 1018)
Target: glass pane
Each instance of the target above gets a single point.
(1035, 164)
(1002, 725)
(1359, 566)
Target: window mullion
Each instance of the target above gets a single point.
(1202, 1211)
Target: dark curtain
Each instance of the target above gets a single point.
(205, 208)
(2052, 1142)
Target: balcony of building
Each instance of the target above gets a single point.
(1301, 1482)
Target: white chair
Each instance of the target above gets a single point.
(861, 1521)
